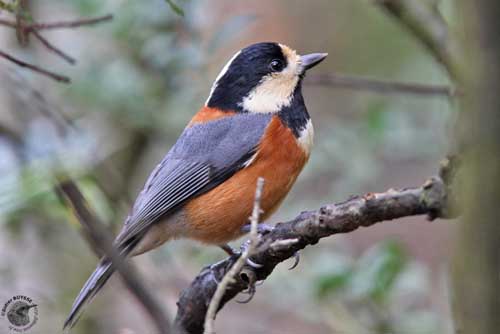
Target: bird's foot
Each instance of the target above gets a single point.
(212, 268)
(251, 282)
(251, 289)
(251, 263)
(233, 252)
(250, 279)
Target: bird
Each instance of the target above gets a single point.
(18, 314)
(254, 124)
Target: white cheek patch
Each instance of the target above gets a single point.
(221, 74)
(274, 92)
(306, 138)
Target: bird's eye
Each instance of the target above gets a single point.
(276, 65)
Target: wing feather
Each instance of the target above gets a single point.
(204, 156)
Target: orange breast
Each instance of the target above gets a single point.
(217, 216)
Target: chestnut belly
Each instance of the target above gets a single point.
(217, 216)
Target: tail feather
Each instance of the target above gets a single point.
(95, 282)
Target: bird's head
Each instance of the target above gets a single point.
(261, 78)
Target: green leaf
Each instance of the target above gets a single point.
(88, 7)
(10, 7)
(332, 283)
(378, 269)
(376, 119)
(178, 10)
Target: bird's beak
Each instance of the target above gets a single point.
(311, 60)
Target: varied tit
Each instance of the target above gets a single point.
(254, 124)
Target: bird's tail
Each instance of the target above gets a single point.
(95, 282)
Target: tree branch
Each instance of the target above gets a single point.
(58, 24)
(23, 30)
(102, 241)
(429, 27)
(35, 68)
(53, 49)
(380, 86)
(69, 24)
(308, 228)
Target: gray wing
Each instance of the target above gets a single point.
(204, 156)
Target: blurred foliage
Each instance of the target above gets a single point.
(9, 6)
(139, 74)
(381, 290)
(371, 277)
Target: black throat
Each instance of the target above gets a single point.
(295, 116)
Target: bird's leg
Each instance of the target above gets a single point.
(228, 249)
(261, 228)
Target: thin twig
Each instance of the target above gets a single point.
(54, 49)
(23, 30)
(102, 240)
(57, 25)
(52, 75)
(69, 24)
(228, 278)
(380, 86)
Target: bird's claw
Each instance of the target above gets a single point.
(254, 264)
(251, 279)
(249, 262)
(250, 291)
(296, 257)
(232, 252)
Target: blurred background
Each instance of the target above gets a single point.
(137, 82)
